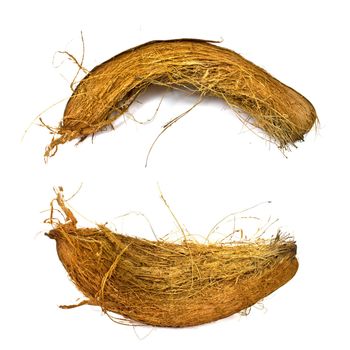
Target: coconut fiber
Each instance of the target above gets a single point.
(168, 284)
(199, 66)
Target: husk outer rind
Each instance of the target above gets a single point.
(171, 284)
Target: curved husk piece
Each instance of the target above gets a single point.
(167, 284)
(109, 89)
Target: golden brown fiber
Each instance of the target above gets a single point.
(167, 284)
(109, 89)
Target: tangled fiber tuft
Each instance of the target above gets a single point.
(167, 284)
(196, 65)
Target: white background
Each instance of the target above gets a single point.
(207, 165)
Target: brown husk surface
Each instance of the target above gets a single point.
(109, 89)
(167, 284)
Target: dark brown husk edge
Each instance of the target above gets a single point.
(166, 284)
(109, 89)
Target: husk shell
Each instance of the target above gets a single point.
(196, 65)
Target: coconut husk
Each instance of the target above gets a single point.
(170, 284)
(109, 89)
